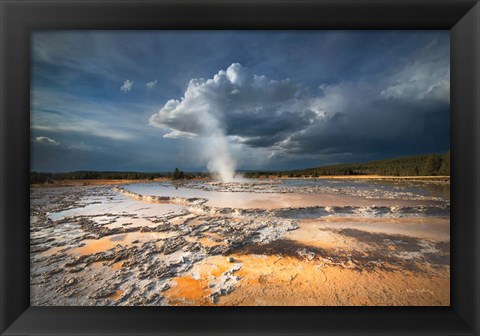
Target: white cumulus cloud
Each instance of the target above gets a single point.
(151, 85)
(46, 140)
(127, 86)
(240, 103)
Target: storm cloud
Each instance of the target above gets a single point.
(408, 111)
(236, 99)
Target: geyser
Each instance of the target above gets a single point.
(219, 160)
(235, 104)
(198, 116)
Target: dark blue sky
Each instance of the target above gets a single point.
(151, 101)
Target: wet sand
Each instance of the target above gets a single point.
(105, 245)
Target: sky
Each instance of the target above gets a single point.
(252, 100)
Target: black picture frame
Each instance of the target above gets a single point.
(20, 17)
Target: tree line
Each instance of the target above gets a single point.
(41, 177)
(419, 165)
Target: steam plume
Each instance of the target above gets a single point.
(233, 102)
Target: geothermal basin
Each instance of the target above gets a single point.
(253, 242)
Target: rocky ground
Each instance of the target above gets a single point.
(107, 245)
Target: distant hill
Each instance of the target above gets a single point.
(418, 165)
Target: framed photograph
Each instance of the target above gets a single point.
(224, 167)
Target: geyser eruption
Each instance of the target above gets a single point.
(214, 147)
(198, 115)
(220, 162)
(235, 105)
